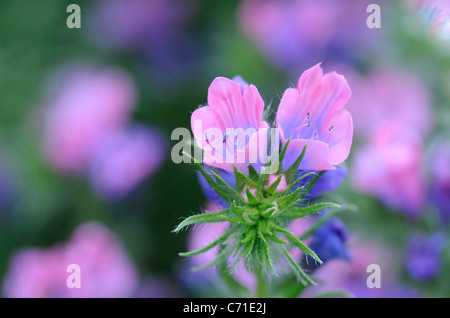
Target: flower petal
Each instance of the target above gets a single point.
(316, 156)
(339, 129)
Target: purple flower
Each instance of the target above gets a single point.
(329, 242)
(440, 173)
(423, 261)
(330, 180)
(106, 270)
(294, 33)
(138, 24)
(124, 159)
(341, 275)
(156, 287)
(312, 114)
(86, 105)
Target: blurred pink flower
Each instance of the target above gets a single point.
(295, 33)
(388, 94)
(231, 105)
(389, 167)
(124, 159)
(106, 270)
(312, 114)
(89, 104)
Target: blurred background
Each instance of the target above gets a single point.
(86, 116)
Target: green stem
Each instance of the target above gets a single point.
(261, 288)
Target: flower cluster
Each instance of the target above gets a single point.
(315, 135)
(88, 130)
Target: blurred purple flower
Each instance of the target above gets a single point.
(106, 270)
(351, 277)
(313, 114)
(124, 159)
(388, 94)
(138, 24)
(88, 104)
(390, 168)
(156, 287)
(423, 260)
(295, 33)
(329, 242)
(440, 173)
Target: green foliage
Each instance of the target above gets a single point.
(257, 231)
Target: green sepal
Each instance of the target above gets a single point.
(212, 244)
(219, 190)
(292, 170)
(211, 217)
(274, 185)
(302, 246)
(242, 180)
(301, 275)
(297, 213)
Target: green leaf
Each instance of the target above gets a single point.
(242, 180)
(221, 257)
(333, 294)
(212, 244)
(276, 239)
(251, 199)
(302, 276)
(266, 249)
(302, 246)
(211, 217)
(291, 186)
(274, 185)
(227, 196)
(311, 184)
(232, 190)
(292, 170)
(283, 152)
(253, 174)
(302, 212)
(286, 200)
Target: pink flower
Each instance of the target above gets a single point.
(389, 94)
(106, 270)
(89, 104)
(234, 112)
(124, 159)
(312, 114)
(389, 168)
